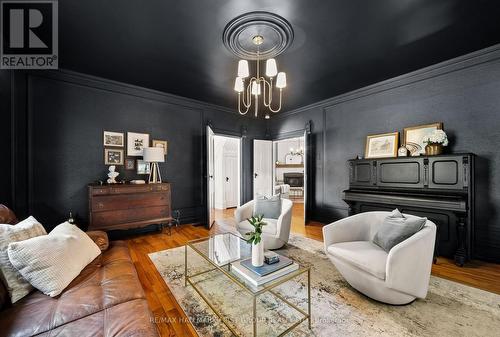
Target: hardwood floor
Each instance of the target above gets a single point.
(169, 316)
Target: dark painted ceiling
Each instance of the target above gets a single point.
(339, 45)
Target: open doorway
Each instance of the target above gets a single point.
(225, 177)
(289, 172)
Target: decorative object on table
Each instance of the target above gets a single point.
(113, 157)
(267, 269)
(435, 142)
(161, 143)
(154, 155)
(402, 151)
(414, 149)
(415, 136)
(256, 240)
(143, 167)
(112, 175)
(271, 258)
(136, 142)
(71, 220)
(382, 146)
(116, 139)
(137, 182)
(129, 164)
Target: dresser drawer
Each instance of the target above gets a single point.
(101, 219)
(129, 201)
(100, 190)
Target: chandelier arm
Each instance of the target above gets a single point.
(279, 106)
(239, 105)
(269, 98)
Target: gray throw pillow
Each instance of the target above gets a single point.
(396, 228)
(269, 207)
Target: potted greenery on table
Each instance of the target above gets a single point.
(255, 239)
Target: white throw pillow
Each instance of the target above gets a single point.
(52, 261)
(16, 285)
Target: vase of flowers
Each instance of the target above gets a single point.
(436, 141)
(255, 239)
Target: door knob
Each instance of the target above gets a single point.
(255, 175)
(227, 179)
(211, 176)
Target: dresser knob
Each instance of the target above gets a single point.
(100, 205)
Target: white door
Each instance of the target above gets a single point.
(262, 167)
(231, 180)
(210, 178)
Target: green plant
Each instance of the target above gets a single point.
(255, 235)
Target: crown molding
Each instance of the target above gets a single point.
(473, 59)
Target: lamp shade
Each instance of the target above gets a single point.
(154, 154)
(255, 88)
(238, 84)
(271, 69)
(281, 80)
(243, 68)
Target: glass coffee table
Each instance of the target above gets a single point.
(235, 300)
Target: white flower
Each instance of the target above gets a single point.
(437, 137)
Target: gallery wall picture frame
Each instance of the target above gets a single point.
(143, 167)
(113, 156)
(414, 136)
(383, 145)
(136, 142)
(129, 164)
(161, 143)
(113, 139)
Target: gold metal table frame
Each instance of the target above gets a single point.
(268, 287)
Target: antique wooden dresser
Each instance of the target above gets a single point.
(125, 206)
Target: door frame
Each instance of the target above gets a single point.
(305, 132)
(229, 134)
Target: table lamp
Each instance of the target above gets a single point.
(154, 155)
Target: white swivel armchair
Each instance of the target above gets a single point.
(277, 231)
(397, 277)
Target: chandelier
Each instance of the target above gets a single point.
(256, 86)
(258, 36)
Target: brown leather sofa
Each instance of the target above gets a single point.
(106, 299)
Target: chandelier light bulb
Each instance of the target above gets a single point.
(238, 84)
(243, 69)
(255, 88)
(271, 68)
(281, 80)
(267, 116)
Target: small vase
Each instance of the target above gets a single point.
(258, 254)
(433, 149)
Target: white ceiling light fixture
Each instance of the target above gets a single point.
(258, 36)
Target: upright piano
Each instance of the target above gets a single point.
(440, 188)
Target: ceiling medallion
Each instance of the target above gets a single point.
(258, 36)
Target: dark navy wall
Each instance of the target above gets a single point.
(65, 116)
(463, 93)
(5, 138)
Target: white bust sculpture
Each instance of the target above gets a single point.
(112, 175)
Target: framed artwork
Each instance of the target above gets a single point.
(136, 142)
(414, 137)
(113, 157)
(116, 139)
(161, 143)
(382, 146)
(143, 167)
(129, 164)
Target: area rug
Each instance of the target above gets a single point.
(450, 309)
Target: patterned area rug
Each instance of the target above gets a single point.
(450, 309)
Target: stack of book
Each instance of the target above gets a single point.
(258, 276)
